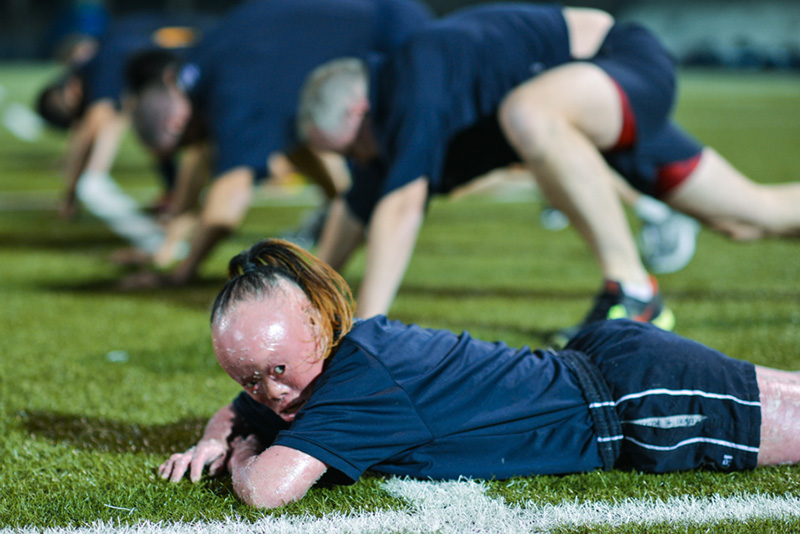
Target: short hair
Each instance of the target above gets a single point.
(257, 272)
(326, 94)
(54, 114)
(146, 68)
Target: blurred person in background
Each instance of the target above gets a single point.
(578, 97)
(88, 101)
(231, 104)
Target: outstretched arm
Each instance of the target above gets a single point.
(181, 217)
(227, 202)
(92, 147)
(274, 477)
(391, 238)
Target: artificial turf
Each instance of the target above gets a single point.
(99, 386)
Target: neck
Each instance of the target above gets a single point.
(365, 148)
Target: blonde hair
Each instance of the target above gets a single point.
(258, 271)
(327, 93)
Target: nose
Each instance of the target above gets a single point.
(275, 391)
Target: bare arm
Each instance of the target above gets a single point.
(211, 450)
(274, 477)
(92, 147)
(391, 238)
(342, 233)
(180, 216)
(227, 202)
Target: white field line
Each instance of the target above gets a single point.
(462, 506)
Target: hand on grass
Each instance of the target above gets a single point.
(208, 452)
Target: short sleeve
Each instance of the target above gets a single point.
(261, 419)
(356, 417)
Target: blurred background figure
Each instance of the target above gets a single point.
(76, 31)
(87, 100)
(231, 104)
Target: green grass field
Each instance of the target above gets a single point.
(82, 428)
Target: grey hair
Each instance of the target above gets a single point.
(327, 93)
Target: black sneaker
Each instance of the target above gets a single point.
(612, 303)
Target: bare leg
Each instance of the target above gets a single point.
(725, 200)
(780, 416)
(559, 122)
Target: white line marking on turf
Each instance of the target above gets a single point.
(462, 506)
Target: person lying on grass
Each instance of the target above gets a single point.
(327, 393)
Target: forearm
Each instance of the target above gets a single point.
(191, 177)
(223, 425)
(205, 239)
(341, 234)
(93, 145)
(392, 236)
(226, 205)
(274, 477)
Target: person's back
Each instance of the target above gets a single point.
(245, 76)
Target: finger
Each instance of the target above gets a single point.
(217, 466)
(180, 465)
(200, 461)
(166, 468)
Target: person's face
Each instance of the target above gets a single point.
(271, 348)
(161, 116)
(342, 140)
(179, 112)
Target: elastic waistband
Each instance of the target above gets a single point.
(601, 405)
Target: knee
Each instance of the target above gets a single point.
(528, 126)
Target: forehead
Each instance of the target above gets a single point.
(259, 326)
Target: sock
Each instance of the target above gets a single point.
(651, 210)
(642, 292)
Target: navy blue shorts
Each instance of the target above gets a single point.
(681, 405)
(659, 155)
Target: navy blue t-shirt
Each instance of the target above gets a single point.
(443, 88)
(104, 75)
(246, 76)
(406, 400)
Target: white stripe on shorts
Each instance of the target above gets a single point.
(691, 442)
(688, 393)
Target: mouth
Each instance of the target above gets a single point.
(291, 409)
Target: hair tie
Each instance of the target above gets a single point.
(248, 267)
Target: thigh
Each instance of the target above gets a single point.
(582, 94)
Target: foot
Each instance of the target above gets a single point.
(613, 303)
(667, 243)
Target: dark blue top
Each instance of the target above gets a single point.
(429, 403)
(246, 76)
(104, 74)
(442, 90)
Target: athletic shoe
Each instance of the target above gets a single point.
(667, 243)
(613, 303)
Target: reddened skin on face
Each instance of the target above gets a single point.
(272, 347)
